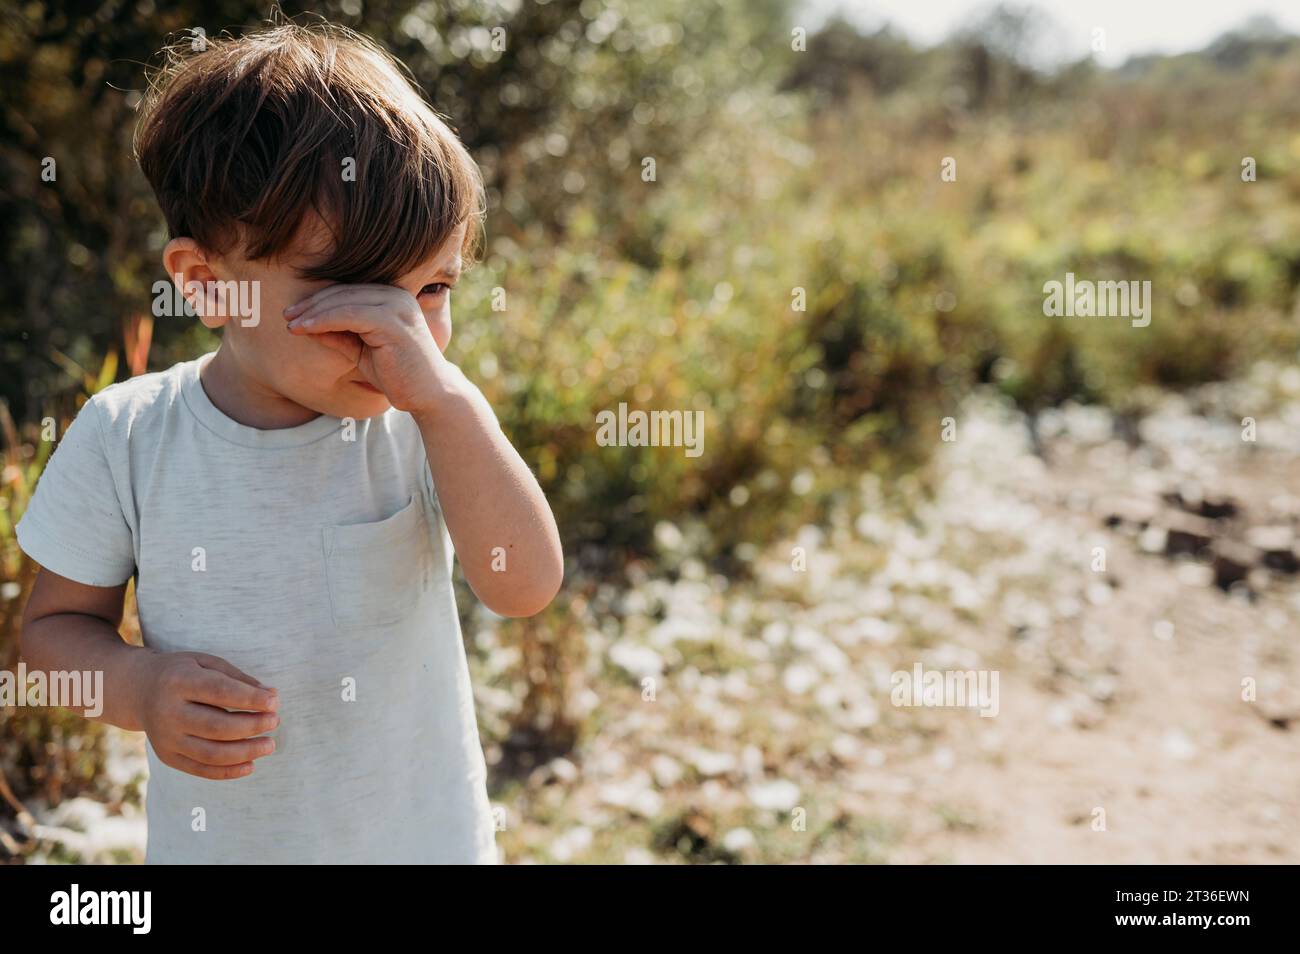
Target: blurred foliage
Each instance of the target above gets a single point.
(55, 753)
(581, 92)
(783, 179)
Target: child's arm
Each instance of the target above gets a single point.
(178, 699)
(490, 500)
(489, 497)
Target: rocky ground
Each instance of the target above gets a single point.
(1133, 587)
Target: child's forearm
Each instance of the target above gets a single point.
(75, 643)
(503, 529)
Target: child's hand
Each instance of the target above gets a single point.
(383, 329)
(184, 714)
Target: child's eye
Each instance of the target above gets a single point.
(437, 288)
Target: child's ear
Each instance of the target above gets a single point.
(187, 265)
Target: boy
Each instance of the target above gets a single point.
(288, 504)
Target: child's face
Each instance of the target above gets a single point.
(299, 369)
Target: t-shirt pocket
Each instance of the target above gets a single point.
(376, 572)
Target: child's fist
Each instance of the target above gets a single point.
(385, 331)
(184, 714)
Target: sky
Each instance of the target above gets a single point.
(1131, 27)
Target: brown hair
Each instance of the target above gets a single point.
(240, 139)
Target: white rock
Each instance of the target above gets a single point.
(800, 677)
(779, 795)
(739, 840)
(638, 661)
(709, 763)
(1178, 745)
(571, 843)
(667, 770)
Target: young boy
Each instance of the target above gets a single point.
(288, 504)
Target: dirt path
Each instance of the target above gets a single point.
(1122, 733)
(1127, 697)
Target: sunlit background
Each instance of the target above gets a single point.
(906, 461)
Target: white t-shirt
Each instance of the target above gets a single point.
(316, 563)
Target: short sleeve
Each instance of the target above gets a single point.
(74, 525)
